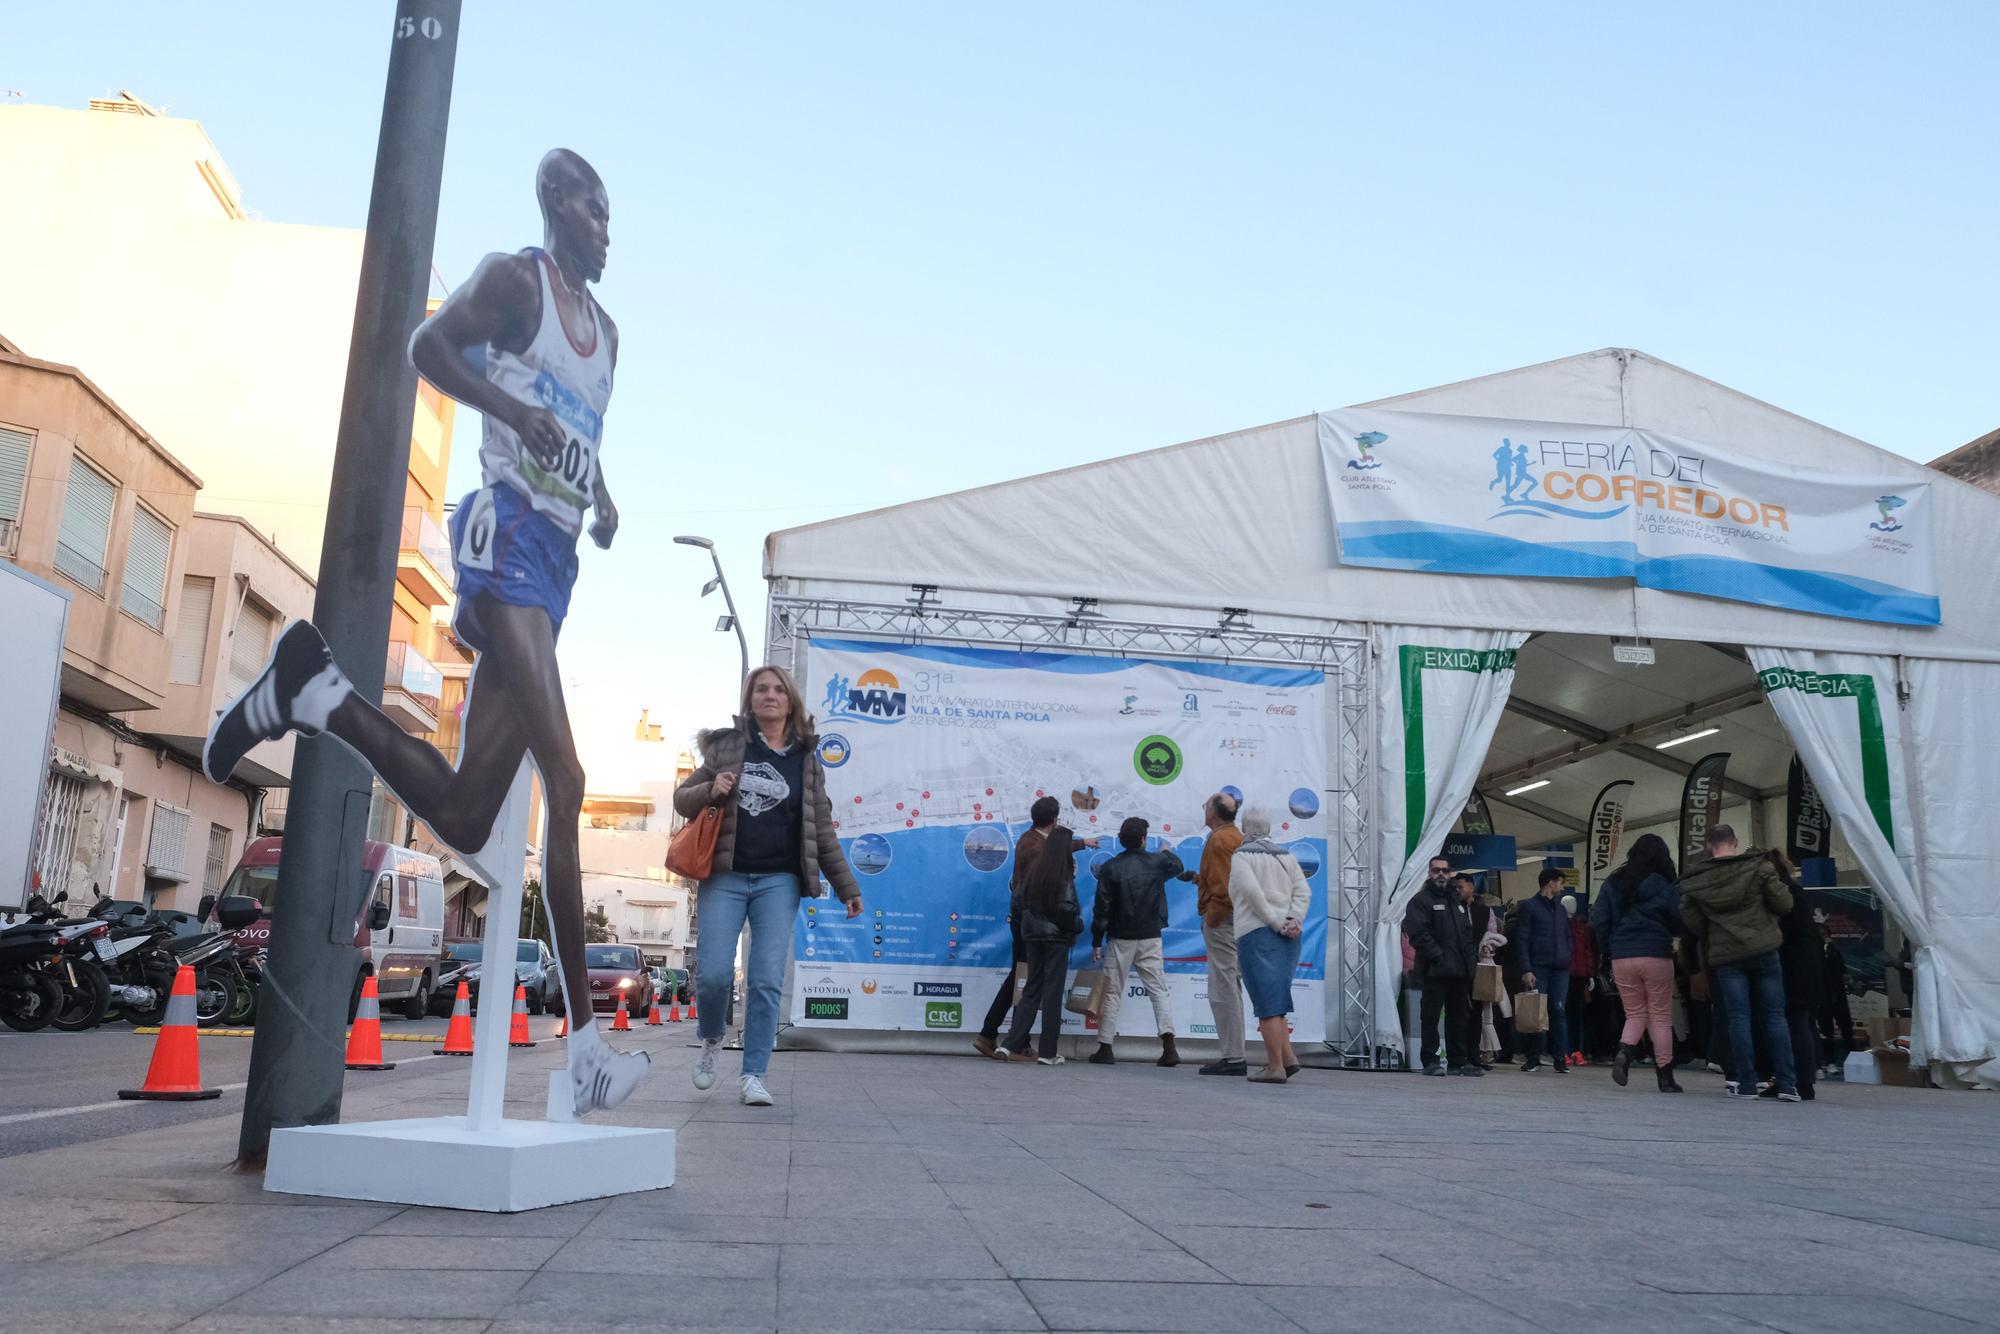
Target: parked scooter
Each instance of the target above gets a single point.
(77, 970)
(30, 996)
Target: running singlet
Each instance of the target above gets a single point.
(572, 381)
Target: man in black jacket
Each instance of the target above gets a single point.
(1131, 910)
(1441, 934)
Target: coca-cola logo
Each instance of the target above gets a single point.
(1282, 710)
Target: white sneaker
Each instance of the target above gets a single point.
(704, 1069)
(754, 1092)
(601, 1078)
(1048, 1060)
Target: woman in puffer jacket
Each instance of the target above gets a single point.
(1270, 896)
(1638, 914)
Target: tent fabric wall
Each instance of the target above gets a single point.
(1440, 693)
(1957, 755)
(1846, 716)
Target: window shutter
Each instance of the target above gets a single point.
(249, 647)
(13, 480)
(191, 631)
(166, 845)
(144, 591)
(218, 857)
(86, 525)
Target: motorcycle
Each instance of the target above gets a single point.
(86, 989)
(147, 954)
(30, 996)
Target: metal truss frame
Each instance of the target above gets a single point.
(1354, 889)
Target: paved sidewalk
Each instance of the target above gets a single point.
(933, 1193)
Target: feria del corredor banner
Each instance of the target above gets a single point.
(933, 755)
(1551, 500)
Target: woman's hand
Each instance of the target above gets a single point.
(724, 784)
(854, 907)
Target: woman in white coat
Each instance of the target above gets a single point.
(1270, 895)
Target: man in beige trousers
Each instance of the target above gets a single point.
(1218, 932)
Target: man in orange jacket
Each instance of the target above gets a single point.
(1218, 932)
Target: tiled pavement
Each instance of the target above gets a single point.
(934, 1193)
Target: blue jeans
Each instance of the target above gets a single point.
(1553, 983)
(1758, 980)
(770, 904)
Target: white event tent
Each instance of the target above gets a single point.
(1227, 548)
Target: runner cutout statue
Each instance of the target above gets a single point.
(525, 344)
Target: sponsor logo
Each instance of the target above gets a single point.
(1202, 1030)
(1158, 760)
(1127, 708)
(1191, 703)
(827, 1008)
(1596, 480)
(944, 1014)
(827, 987)
(834, 750)
(940, 989)
(876, 696)
(1282, 710)
(1888, 505)
(867, 986)
(1365, 443)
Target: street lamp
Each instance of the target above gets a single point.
(730, 621)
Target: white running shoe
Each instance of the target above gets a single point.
(704, 1069)
(600, 1077)
(1048, 1060)
(296, 692)
(754, 1092)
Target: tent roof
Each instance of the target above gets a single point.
(1244, 520)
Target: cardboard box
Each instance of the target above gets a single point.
(1884, 1031)
(1894, 1065)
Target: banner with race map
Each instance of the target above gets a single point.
(933, 755)
(1551, 500)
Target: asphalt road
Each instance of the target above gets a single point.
(62, 1088)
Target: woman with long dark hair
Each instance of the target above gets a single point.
(1638, 916)
(1051, 920)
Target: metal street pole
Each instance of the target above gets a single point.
(722, 582)
(298, 1060)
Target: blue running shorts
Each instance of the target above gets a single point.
(502, 548)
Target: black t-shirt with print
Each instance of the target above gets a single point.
(770, 799)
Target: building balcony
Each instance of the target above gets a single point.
(423, 564)
(411, 690)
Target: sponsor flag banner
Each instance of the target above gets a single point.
(1808, 830)
(1607, 831)
(1701, 807)
(1552, 500)
(933, 755)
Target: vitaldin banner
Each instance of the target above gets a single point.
(1549, 500)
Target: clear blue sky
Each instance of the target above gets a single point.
(868, 253)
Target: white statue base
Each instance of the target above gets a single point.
(442, 1162)
(481, 1160)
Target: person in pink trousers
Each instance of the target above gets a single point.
(1637, 917)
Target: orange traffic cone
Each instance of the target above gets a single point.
(674, 1012)
(621, 1024)
(519, 1036)
(175, 1074)
(692, 1016)
(653, 1013)
(364, 1042)
(458, 1037)
(562, 1025)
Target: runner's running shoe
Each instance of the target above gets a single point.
(296, 692)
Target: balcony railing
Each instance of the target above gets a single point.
(79, 567)
(422, 535)
(412, 673)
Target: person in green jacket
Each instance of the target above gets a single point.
(1733, 903)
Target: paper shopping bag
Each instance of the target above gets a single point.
(1086, 994)
(1531, 1012)
(1486, 985)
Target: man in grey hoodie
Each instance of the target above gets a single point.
(1733, 903)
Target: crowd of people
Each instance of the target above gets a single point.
(1723, 966)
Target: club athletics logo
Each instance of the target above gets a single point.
(1158, 760)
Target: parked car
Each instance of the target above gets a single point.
(398, 933)
(534, 969)
(618, 970)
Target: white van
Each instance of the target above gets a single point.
(399, 933)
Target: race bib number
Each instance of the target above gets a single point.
(475, 545)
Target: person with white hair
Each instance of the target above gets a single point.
(1269, 893)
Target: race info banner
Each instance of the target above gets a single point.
(1549, 500)
(933, 755)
